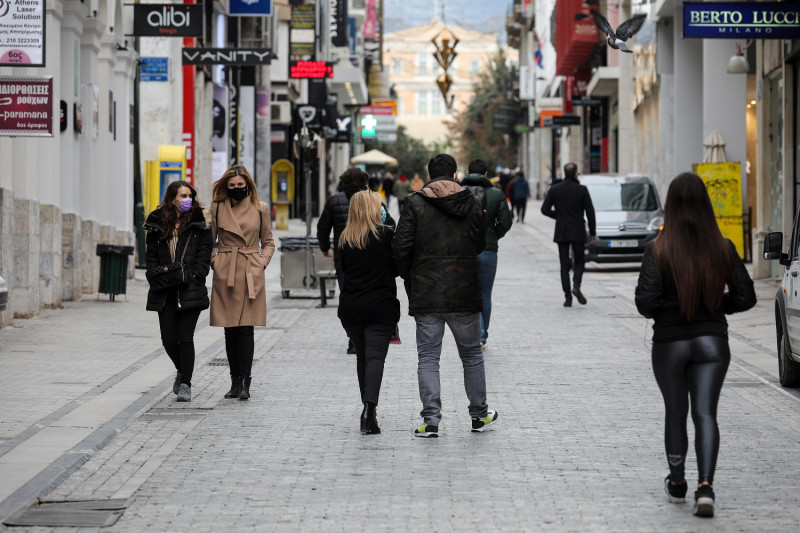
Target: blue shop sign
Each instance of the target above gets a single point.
(249, 8)
(729, 20)
(154, 69)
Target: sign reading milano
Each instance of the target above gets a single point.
(168, 20)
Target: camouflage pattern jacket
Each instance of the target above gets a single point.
(436, 245)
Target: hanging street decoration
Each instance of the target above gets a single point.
(445, 55)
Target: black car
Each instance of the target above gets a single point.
(629, 216)
(787, 304)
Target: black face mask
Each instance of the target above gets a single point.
(238, 194)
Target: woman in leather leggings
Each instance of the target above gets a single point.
(691, 277)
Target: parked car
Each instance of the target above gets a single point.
(3, 294)
(629, 216)
(787, 304)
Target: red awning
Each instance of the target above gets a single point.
(575, 39)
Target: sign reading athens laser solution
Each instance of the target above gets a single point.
(22, 33)
(761, 20)
(26, 106)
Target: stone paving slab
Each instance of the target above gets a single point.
(577, 447)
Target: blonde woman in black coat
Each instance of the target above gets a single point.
(368, 305)
(180, 227)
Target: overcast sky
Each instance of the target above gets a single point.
(470, 14)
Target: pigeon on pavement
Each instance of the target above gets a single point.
(625, 31)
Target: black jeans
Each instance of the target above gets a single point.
(566, 264)
(693, 368)
(519, 209)
(177, 335)
(239, 347)
(372, 344)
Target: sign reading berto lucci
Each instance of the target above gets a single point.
(761, 20)
(26, 106)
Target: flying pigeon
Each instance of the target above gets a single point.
(625, 31)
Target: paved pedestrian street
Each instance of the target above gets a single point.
(87, 413)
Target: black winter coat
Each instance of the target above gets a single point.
(334, 217)
(436, 249)
(498, 217)
(566, 202)
(657, 298)
(196, 239)
(369, 292)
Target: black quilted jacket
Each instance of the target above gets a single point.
(436, 249)
(196, 237)
(657, 298)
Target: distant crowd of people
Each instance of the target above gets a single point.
(444, 246)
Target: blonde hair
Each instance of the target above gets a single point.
(363, 218)
(220, 191)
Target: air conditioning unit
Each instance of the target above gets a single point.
(281, 112)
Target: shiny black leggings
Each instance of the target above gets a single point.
(239, 347)
(693, 368)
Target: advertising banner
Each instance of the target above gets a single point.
(339, 22)
(249, 8)
(310, 69)
(741, 20)
(302, 28)
(168, 20)
(22, 31)
(26, 106)
(228, 57)
(154, 69)
(724, 184)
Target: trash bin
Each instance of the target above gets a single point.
(293, 265)
(113, 268)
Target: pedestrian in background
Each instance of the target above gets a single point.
(497, 219)
(520, 196)
(244, 248)
(180, 228)
(388, 187)
(567, 202)
(334, 218)
(368, 305)
(401, 189)
(417, 183)
(436, 249)
(682, 287)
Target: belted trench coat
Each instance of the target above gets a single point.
(238, 297)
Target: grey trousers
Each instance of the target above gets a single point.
(466, 329)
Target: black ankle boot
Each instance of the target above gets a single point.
(236, 387)
(372, 420)
(364, 420)
(244, 394)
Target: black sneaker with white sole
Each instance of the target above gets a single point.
(480, 423)
(704, 501)
(427, 431)
(675, 492)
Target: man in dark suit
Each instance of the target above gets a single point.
(566, 203)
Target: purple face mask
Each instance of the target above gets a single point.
(185, 205)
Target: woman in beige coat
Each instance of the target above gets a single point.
(243, 247)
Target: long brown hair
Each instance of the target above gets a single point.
(691, 249)
(220, 190)
(363, 218)
(170, 216)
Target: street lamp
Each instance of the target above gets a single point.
(738, 64)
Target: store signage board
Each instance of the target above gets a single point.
(310, 70)
(249, 8)
(154, 69)
(26, 106)
(566, 120)
(226, 56)
(168, 20)
(741, 20)
(578, 100)
(22, 33)
(376, 110)
(302, 30)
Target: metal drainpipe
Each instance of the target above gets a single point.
(138, 200)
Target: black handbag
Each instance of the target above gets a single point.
(171, 275)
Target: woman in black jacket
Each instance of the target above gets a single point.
(682, 287)
(180, 228)
(368, 305)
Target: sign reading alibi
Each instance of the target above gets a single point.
(760, 20)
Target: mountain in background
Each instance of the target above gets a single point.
(478, 15)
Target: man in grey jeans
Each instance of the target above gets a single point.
(435, 248)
